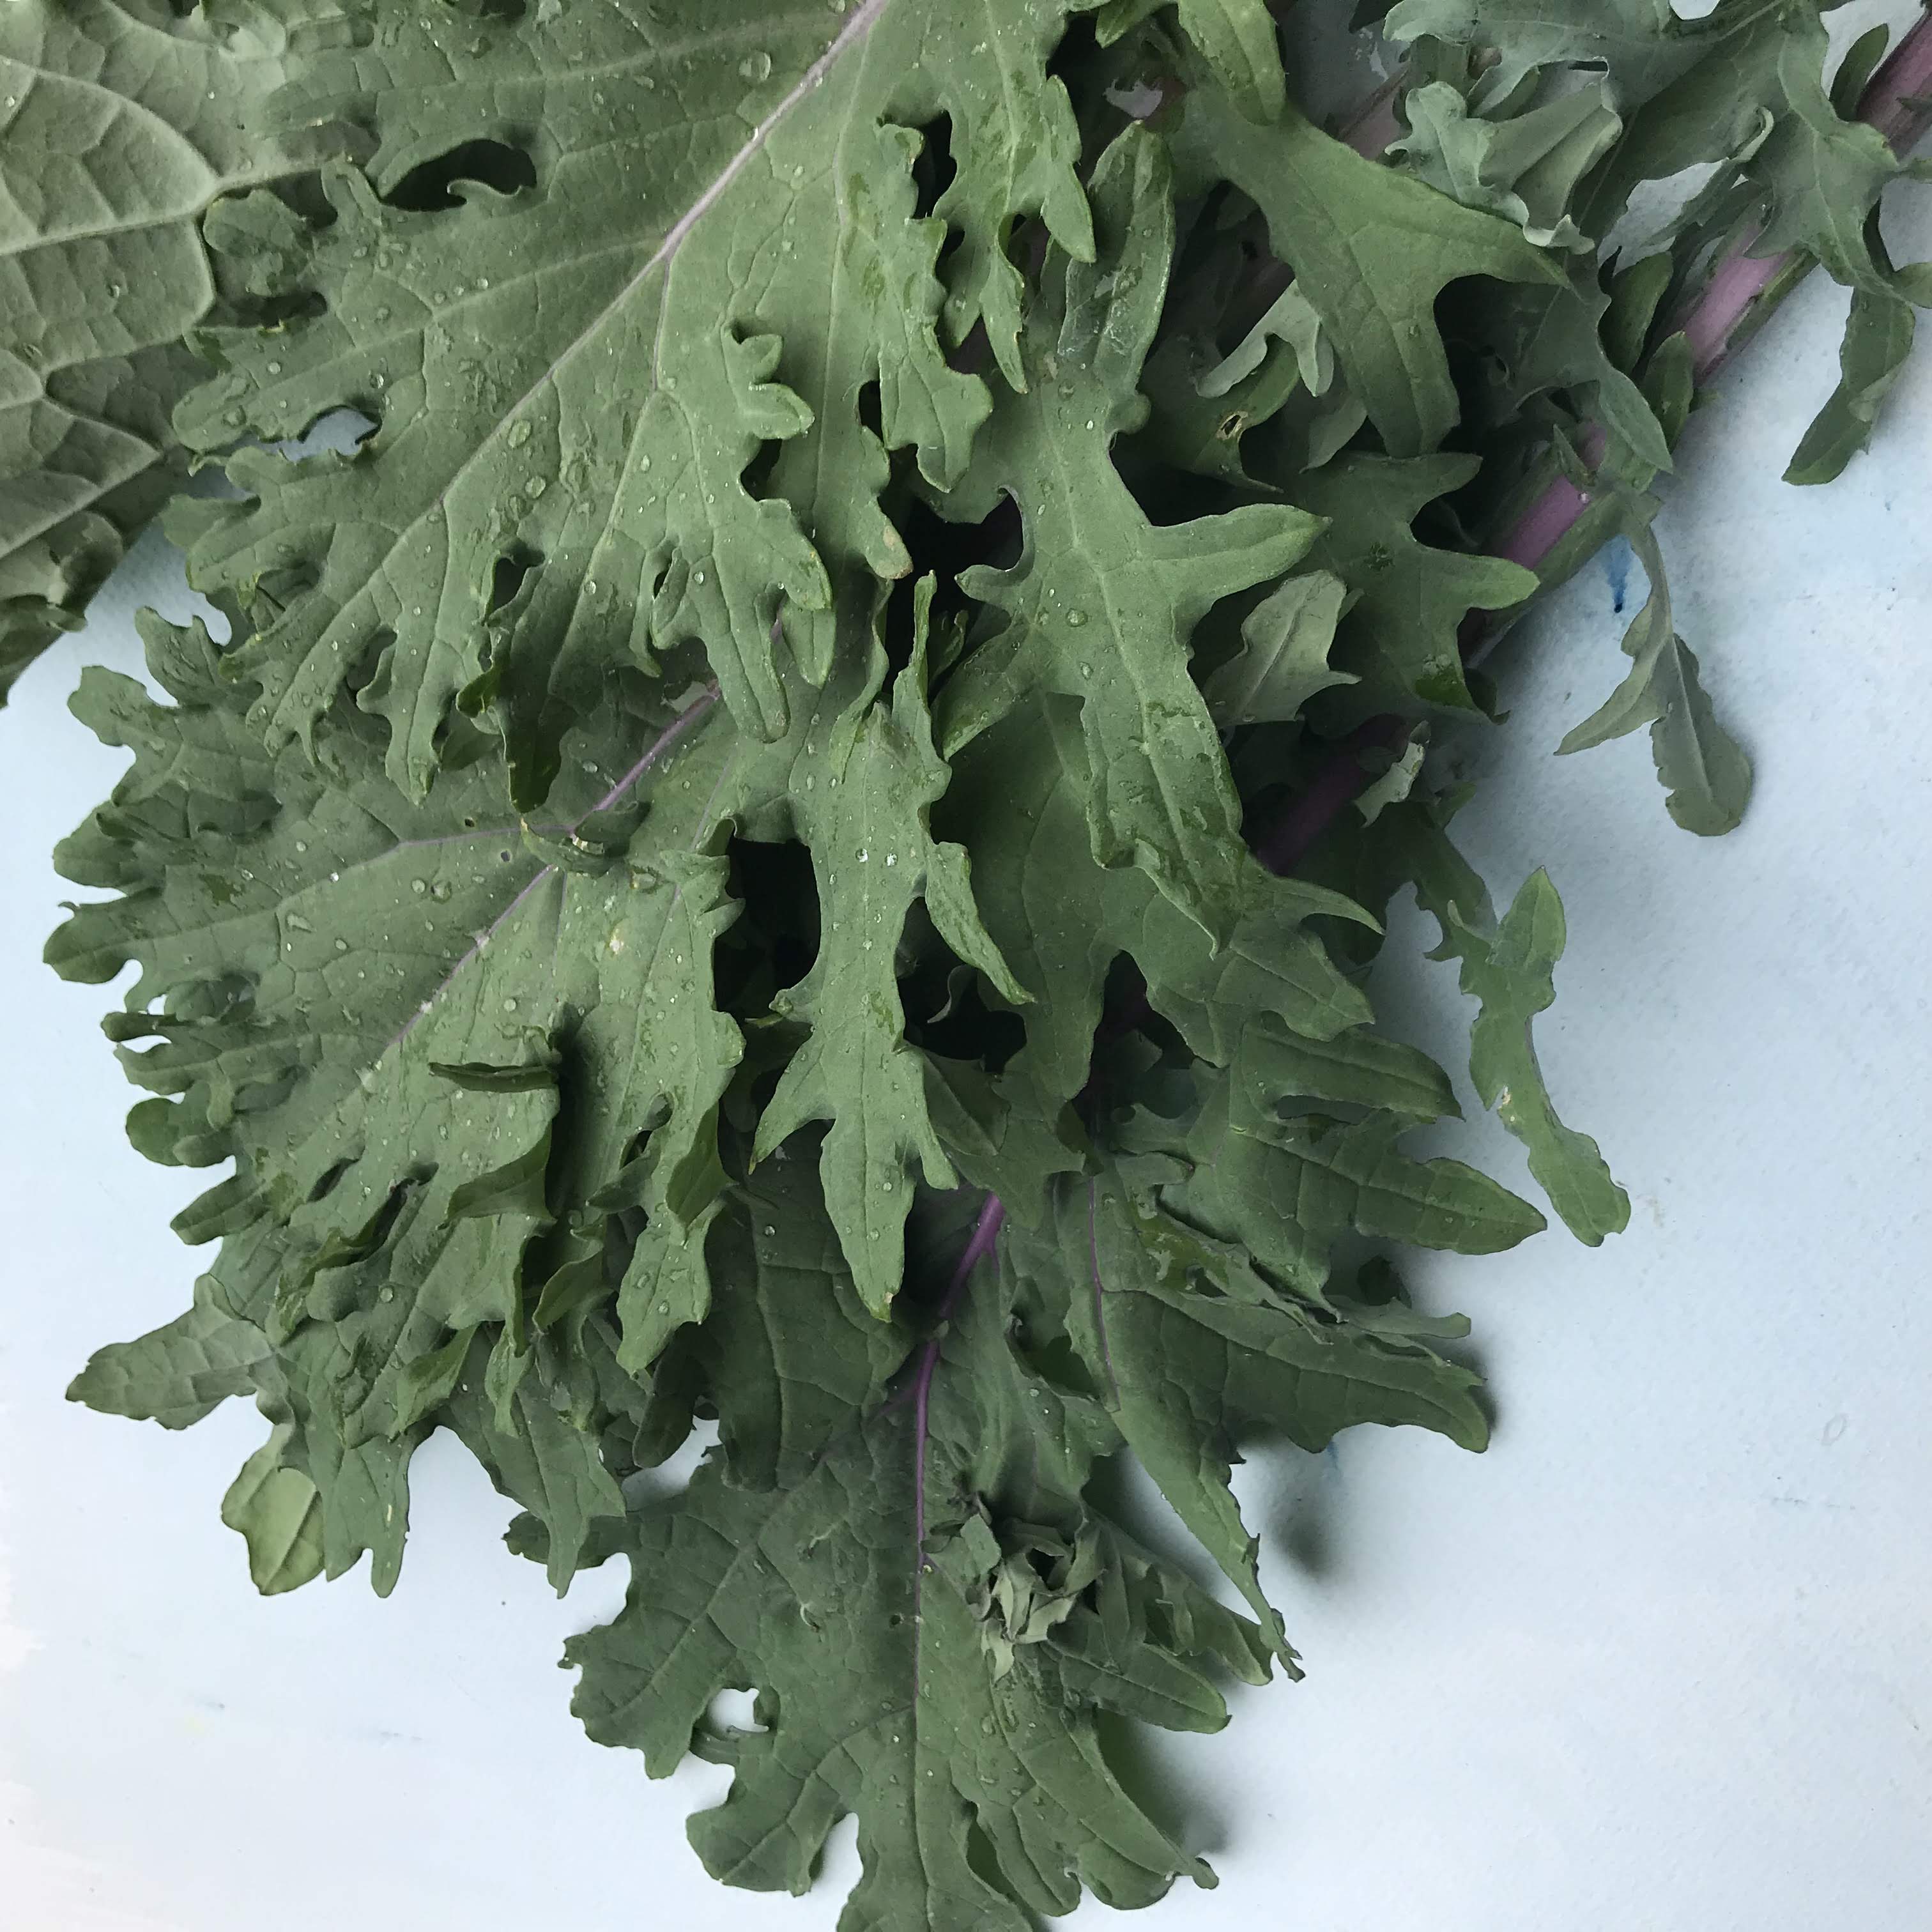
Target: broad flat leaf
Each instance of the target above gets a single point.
(1371, 250)
(576, 373)
(791, 1351)
(370, 1006)
(1358, 1068)
(276, 1511)
(179, 1373)
(1100, 606)
(1707, 776)
(123, 121)
(861, 1594)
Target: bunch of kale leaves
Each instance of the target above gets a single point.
(714, 876)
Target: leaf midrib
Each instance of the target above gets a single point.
(857, 25)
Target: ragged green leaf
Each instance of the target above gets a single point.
(1188, 1350)
(1410, 598)
(1370, 248)
(374, 1007)
(875, 859)
(716, 862)
(1283, 661)
(1509, 971)
(1060, 919)
(1101, 604)
(637, 277)
(1284, 1184)
(1507, 968)
(1825, 172)
(1236, 38)
(275, 1510)
(859, 1591)
(1642, 43)
(1706, 775)
(181, 1372)
(123, 121)
(1525, 168)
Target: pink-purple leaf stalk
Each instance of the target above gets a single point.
(1898, 101)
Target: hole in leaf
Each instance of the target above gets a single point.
(757, 475)
(362, 672)
(512, 567)
(962, 1026)
(492, 164)
(733, 1710)
(972, 355)
(335, 432)
(285, 306)
(775, 940)
(933, 170)
(327, 1182)
(1079, 45)
(982, 1858)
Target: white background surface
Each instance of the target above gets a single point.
(1661, 1660)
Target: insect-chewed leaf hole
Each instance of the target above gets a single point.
(499, 165)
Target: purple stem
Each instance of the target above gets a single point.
(1283, 847)
(1898, 101)
(1376, 124)
(665, 739)
(1895, 102)
(985, 1231)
